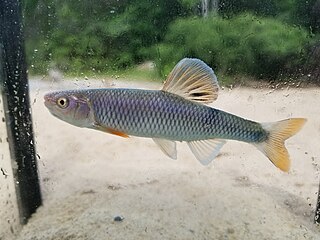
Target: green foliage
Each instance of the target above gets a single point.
(189, 4)
(261, 7)
(245, 44)
(256, 38)
(307, 14)
(303, 13)
(106, 34)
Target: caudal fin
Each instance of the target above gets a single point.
(274, 147)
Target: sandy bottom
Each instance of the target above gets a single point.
(89, 178)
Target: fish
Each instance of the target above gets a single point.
(179, 112)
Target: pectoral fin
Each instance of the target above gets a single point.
(111, 131)
(116, 132)
(206, 150)
(168, 147)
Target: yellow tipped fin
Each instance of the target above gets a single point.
(194, 80)
(274, 147)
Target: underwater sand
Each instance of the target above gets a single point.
(88, 177)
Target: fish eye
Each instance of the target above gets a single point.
(63, 102)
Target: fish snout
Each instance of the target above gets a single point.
(48, 99)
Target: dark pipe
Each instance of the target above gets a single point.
(317, 215)
(15, 94)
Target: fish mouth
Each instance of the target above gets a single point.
(47, 100)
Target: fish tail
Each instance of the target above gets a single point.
(274, 147)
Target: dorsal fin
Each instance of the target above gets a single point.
(192, 79)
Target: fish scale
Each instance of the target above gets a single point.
(159, 114)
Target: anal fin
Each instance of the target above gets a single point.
(168, 147)
(206, 150)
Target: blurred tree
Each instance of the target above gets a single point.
(260, 47)
(204, 7)
(97, 33)
(315, 16)
(312, 66)
(307, 14)
(229, 8)
(209, 6)
(100, 35)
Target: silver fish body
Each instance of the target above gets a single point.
(175, 113)
(160, 114)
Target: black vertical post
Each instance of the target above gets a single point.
(317, 215)
(15, 94)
